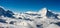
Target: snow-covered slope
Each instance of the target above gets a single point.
(41, 19)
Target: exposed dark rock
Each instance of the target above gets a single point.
(58, 23)
(3, 21)
(6, 13)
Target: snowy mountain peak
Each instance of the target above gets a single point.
(47, 13)
(43, 11)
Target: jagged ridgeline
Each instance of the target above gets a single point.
(7, 13)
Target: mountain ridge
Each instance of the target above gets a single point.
(41, 19)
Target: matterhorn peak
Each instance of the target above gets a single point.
(43, 11)
(47, 13)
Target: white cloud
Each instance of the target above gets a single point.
(23, 23)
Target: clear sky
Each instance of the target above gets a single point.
(30, 5)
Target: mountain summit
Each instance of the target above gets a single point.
(43, 11)
(47, 13)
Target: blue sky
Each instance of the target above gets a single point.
(30, 5)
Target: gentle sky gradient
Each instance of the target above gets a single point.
(30, 5)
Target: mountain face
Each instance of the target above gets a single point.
(43, 11)
(6, 13)
(48, 14)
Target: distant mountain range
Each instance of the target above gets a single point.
(41, 19)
